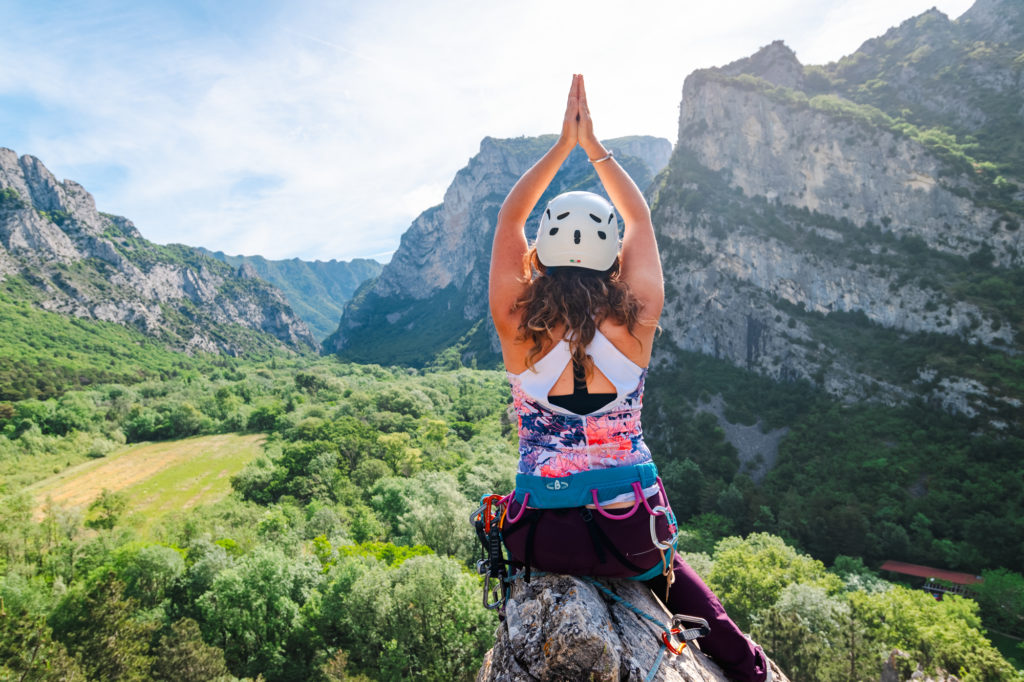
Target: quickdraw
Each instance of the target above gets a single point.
(684, 635)
(493, 566)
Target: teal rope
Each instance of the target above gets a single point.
(657, 663)
(643, 614)
(625, 603)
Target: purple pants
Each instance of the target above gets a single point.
(580, 541)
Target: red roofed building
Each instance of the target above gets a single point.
(960, 580)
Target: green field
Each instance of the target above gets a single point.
(156, 478)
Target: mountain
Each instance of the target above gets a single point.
(316, 290)
(813, 227)
(432, 296)
(58, 252)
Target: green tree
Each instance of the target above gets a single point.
(437, 516)
(183, 656)
(107, 509)
(100, 626)
(254, 607)
(749, 574)
(148, 572)
(801, 632)
(420, 620)
(938, 635)
(28, 651)
(1001, 597)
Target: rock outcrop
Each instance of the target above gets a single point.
(559, 627)
(77, 261)
(433, 293)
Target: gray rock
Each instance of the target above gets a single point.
(559, 627)
(814, 159)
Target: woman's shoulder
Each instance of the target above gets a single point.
(635, 344)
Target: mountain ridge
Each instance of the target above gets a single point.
(316, 290)
(67, 257)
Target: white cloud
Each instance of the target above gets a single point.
(321, 131)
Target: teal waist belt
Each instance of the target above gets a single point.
(583, 488)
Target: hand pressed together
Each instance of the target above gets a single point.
(577, 124)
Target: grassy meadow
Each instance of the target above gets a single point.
(155, 478)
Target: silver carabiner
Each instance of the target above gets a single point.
(660, 511)
(692, 633)
(475, 516)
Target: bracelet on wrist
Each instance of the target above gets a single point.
(607, 156)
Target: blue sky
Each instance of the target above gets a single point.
(319, 130)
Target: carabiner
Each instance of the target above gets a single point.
(499, 593)
(691, 634)
(684, 636)
(475, 516)
(654, 534)
(486, 503)
(668, 644)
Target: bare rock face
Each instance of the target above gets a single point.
(775, 63)
(88, 264)
(558, 627)
(789, 203)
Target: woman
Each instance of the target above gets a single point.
(576, 317)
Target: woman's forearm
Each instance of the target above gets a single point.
(623, 192)
(530, 187)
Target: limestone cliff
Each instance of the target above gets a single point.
(77, 261)
(800, 228)
(433, 293)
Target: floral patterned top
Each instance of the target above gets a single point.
(554, 442)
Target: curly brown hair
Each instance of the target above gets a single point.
(577, 300)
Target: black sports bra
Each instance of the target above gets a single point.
(581, 401)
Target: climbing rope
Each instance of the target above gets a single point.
(684, 635)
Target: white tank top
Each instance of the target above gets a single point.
(623, 373)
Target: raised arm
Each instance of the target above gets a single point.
(640, 262)
(509, 273)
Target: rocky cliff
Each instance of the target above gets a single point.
(316, 290)
(562, 628)
(433, 293)
(69, 258)
(803, 226)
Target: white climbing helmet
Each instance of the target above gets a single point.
(578, 229)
